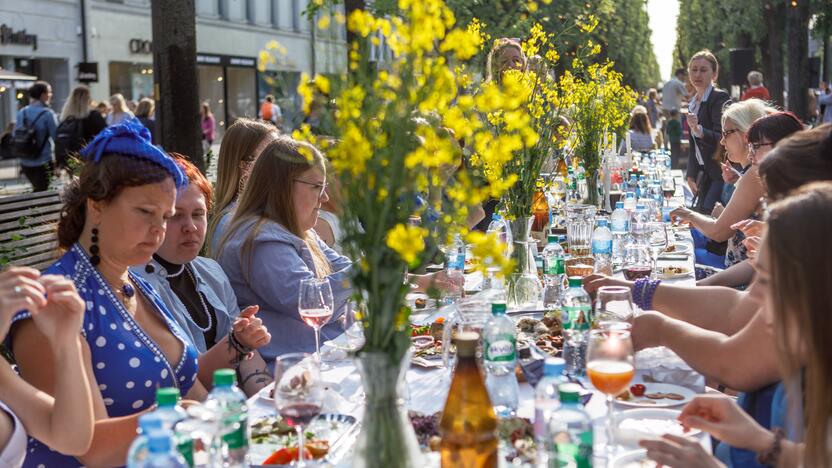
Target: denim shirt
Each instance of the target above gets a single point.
(211, 283)
(45, 129)
(279, 261)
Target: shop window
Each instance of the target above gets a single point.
(241, 92)
(283, 86)
(212, 91)
(133, 80)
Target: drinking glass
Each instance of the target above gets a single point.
(658, 242)
(298, 393)
(579, 226)
(610, 366)
(613, 304)
(315, 305)
(353, 328)
(637, 262)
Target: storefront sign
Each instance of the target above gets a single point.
(88, 72)
(10, 36)
(226, 60)
(140, 46)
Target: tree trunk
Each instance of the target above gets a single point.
(797, 19)
(772, 49)
(175, 78)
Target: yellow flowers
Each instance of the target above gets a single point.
(407, 241)
(489, 251)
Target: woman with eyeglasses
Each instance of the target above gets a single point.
(744, 203)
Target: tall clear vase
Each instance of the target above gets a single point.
(524, 287)
(593, 197)
(387, 438)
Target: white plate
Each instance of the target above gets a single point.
(633, 459)
(264, 392)
(641, 402)
(631, 436)
(687, 272)
(680, 248)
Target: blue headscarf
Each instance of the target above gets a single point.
(131, 138)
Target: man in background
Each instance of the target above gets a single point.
(756, 90)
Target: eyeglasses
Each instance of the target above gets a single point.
(753, 147)
(726, 134)
(320, 187)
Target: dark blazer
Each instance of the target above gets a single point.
(710, 117)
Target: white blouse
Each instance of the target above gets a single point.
(14, 452)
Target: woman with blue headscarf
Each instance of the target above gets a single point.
(114, 217)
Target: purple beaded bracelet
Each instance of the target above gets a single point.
(643, 291)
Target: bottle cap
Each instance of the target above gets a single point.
(561, 238)
(160, 441)
(575, 282)
(602, 223)
(619, 205)
(466, 343)
(498, 308)
(551, 238)
(631, 195)
(554, 366)
(167, 396)
(224, 377)
(149, 422)
(569, 393)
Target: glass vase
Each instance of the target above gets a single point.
(387, 438)
(523, 286)
(593, 197)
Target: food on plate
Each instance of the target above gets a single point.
(674, 270)
(420, 303)
(426, 426)
(638, 390)
(317, 447)
(263, 429)
(419, 330)
(580, 266)
(670, 248)
(545, 333)
(286, 456)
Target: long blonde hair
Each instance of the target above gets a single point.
(496, 62)
(118, 103)
(268, 197)
(78, 104)
(800, 273)
(236, 154)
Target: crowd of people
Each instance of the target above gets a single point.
(132, 306)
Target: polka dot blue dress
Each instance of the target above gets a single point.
(128, 365)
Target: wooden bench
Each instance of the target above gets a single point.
(28, 229)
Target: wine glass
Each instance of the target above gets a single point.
(353, 327)
(610, 367)
(658, 241)
(315, 305)
(298, 393)
(613, 304)
(668, 187)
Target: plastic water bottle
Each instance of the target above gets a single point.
(642, 187)
(576, 317)
(227, 401)
(138, 451)
(620, 227)
(632, 185)
(455, 267)
(500, 228)
(553, 268)
(168, 408)
(161, 451)
(500, 358)
(630, 202)
(569, 439)
(602, 247)
(546, 398)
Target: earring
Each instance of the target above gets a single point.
(94, 250)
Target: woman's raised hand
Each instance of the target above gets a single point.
(249, 330)
(61, 319)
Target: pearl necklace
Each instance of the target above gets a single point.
(201, 301)
(174, 275)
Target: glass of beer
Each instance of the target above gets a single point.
(610, 366)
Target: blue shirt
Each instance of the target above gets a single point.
(279, 260)
(826, 100)
(211, 283)
(46, 128)
(128, 365)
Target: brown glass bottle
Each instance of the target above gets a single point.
(540, 208)
(468, 426)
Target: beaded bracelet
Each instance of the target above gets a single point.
(647, 297)
(769, 456)
(243, 352)
(638, 290)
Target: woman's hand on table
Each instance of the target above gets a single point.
(722, 417)
(595, 281)
(750, 227)
(647, 330)
(249, 330)
(679, 452)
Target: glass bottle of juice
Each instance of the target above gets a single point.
(468, 425)
(540, 208)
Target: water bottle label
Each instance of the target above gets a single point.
(501, 350)
(619, 225)
(602, 247)
(575, 453)
(185, 446)
(576, 317)
(553, 266)
(237, 438)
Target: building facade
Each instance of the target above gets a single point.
(230, 36)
